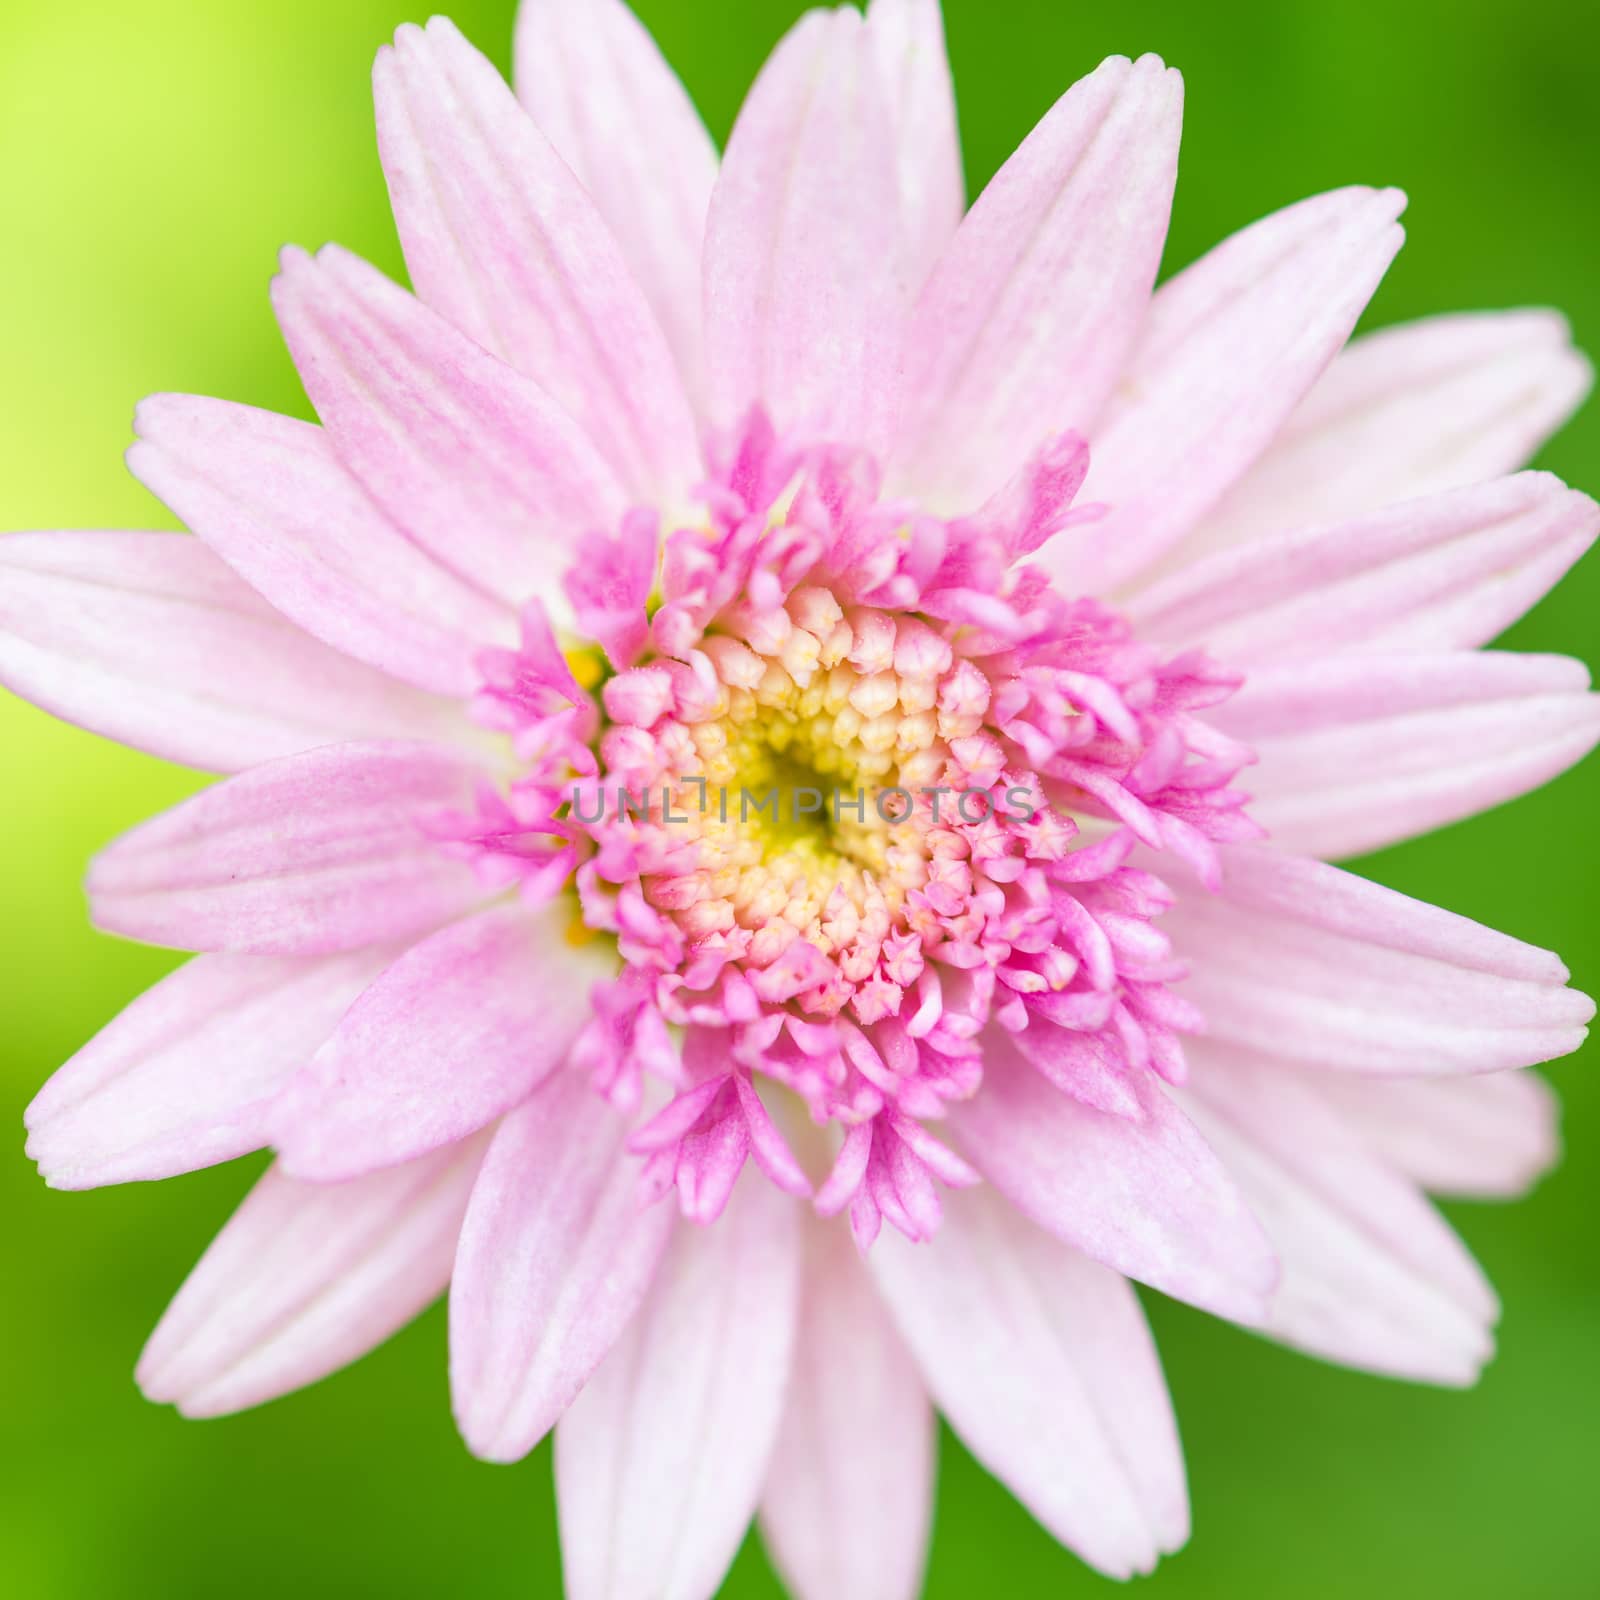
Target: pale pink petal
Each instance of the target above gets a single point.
(1372, 1275)
(185, 1076)
(908, 37)
(320, 851)
(555, 1256)
(596, 84)
(1493, 1135)
(804, 289)
(500, 238)
(1407, 412)
(475, 461)
(269, 496)
(1315, 965)
(1144, 1195)
(1042, 1362)
(660, 1460)
(461, 1028)
(1028, 319)
(1446, 573)
(849, 1494)
(305, 1278)
(1230, 347)
(1358, 752)
(150, 639)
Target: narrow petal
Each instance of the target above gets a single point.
(1043, 1364)
(660, 1460)
(598, 88)
(1359, 752)
(461, 1028)
(908, 37)
(501, 239)
(476, 462)
(1231, 346)
(1145, 1196)
(804, 289)
(150, 639)
(1407, 412)
(1372, 1276)
(556, 1255)
(185, 1076)
(1446, 573)
(1029, 317)
(270, 497)
(1492, 1136)
(318, 852)
(304, 1279)
(1315, 965)
(849, 1495)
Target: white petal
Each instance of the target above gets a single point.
(305, 1278)
(1230, 347)
(805, 294)
(150, 639)
(1372, 1276)
(602, 94)
(1358, 752)
(500, 237)
(1405, 412)
(660, 1460)
(1028, 318)
(1143, 1194)
(1298, 959)
(556, 1253)
(1043, 1364)
(908, 36)
(849, 1494)
(1494, 1135)
(185, 1077)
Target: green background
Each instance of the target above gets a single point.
(152, 160)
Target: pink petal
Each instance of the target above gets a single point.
(660, 1460)
(185, 1076)
(149, 639)
(270, 497)
(304, 1279)
(1075, 1064)
(501, 239)
(600, 91)
(1030, 314)
(1302, 961)
(849, 1494)
(1231, 346)
(908, 38)
(1043, 1364)
(1145, 1196)
(1491, 1136)
(1407, 412)
(555, 1257)
(318, 852)
(1372, 1276)
(478, 464)
(804, 290)
(1447, 573)
(1359, 752)
(461, 1028)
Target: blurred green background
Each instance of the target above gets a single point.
(152, 160)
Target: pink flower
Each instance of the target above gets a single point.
(737, 719)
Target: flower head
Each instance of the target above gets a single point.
(771, 697)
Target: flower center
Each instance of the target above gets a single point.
(829, 801)
(806, 790)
